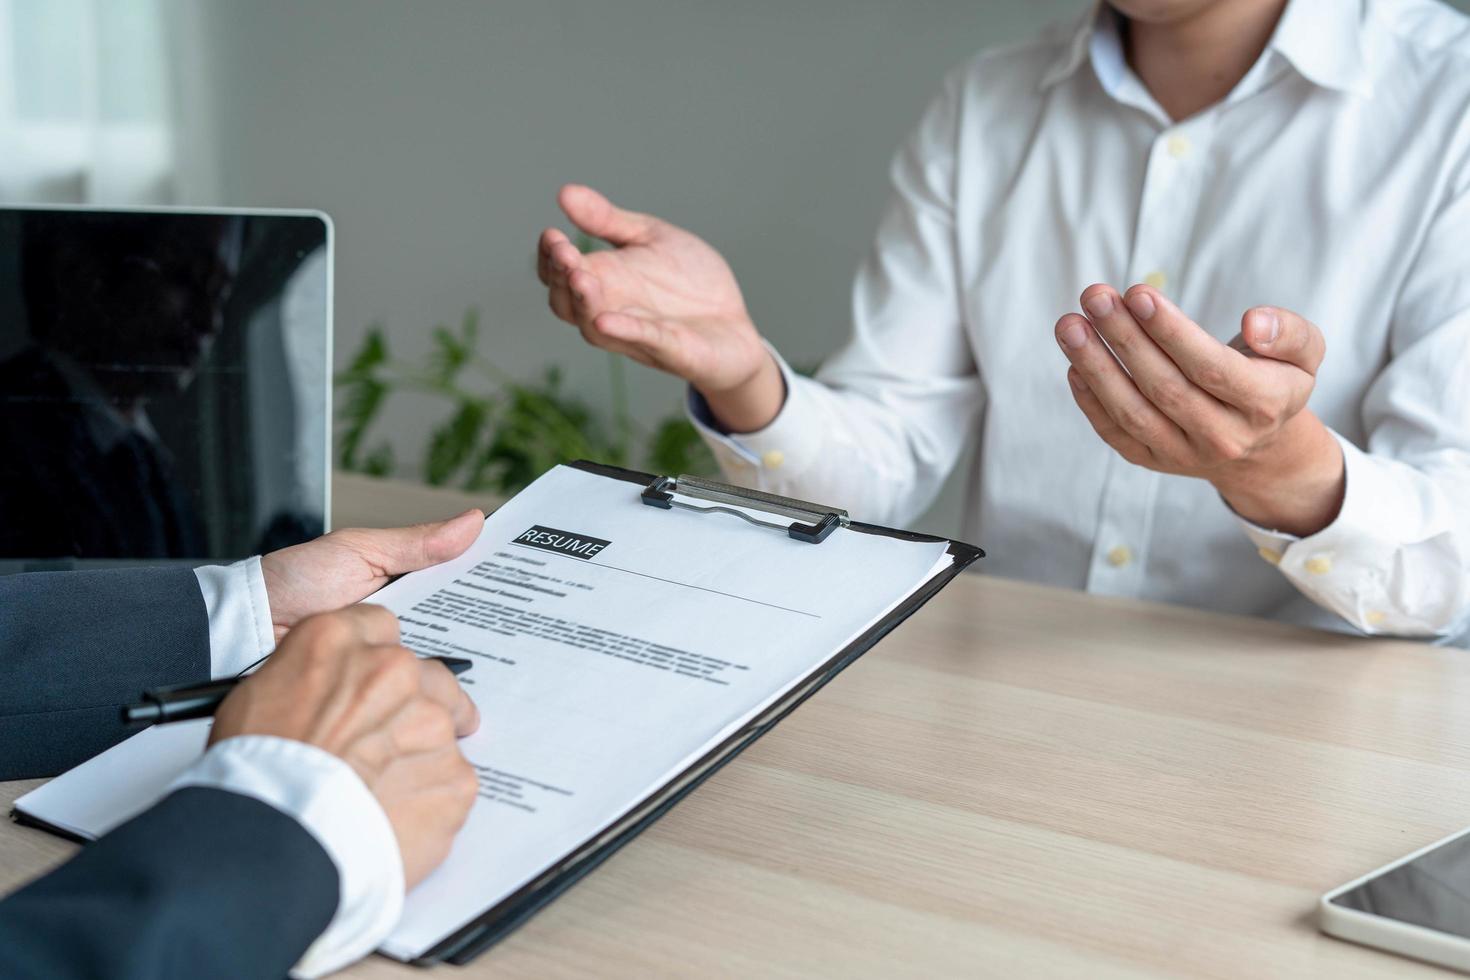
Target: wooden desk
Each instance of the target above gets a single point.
(1020, 781)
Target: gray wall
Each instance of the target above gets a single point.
(437, 132)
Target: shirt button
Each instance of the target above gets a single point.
(1376, 617)
(1156, 279)
(773, 459)
(1179, 146)
(1270, 556)
(1320, 565)
(1120, 555)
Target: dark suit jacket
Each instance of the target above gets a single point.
(207, 883)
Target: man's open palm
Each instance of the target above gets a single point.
(661, 295)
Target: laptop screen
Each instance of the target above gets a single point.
(164, 386)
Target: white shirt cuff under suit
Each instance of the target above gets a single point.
(320, 791)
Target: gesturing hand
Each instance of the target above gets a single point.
(1168, 396)
(341, 682)
(663, 297)
(346, 566)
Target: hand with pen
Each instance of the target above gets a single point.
(333, 782)
(342, 682)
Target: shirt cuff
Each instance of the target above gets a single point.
(335, 806)
(783, 450)
(1348, 566)
(240, 628)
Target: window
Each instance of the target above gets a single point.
(84, 113)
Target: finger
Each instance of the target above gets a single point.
(1238, 342)
(1117, 393)
(1154, 372)
(444, 689)
(588, 299)
(432, 793)
(630, 351)
(426, 777)
(588, 303)
(579, 313)
(1284, 336)
(395, 550)
(565, 259)
(387, 678)
(602, 341)
(1219, 370)
(647, 340)
(559, 298)
(419, 725)
(549, 239)
(650, 337)
(596, 215)
(1102, 423)
(368, 624)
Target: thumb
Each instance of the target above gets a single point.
(596, 215)
(1284, 336)
(407, 549)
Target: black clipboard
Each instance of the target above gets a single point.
(497, 922)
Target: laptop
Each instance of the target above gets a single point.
(165, 384)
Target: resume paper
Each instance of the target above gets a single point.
(615, 644)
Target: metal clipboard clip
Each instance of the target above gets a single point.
(812, 523)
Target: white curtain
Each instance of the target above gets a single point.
(85, 112)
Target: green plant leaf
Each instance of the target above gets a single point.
(452, 443)
(379, 462)
(372, 353)
(536, 428)
(502, 438)
(447, 355)
(361, 400)
(677, 448)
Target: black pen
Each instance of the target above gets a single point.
(185, 701)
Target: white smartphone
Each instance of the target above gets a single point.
(1419, 906)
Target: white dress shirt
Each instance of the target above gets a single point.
(1334, 180)
(322, 792)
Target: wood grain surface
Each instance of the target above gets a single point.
(1020, 781)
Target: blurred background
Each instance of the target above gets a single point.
(436, 133)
